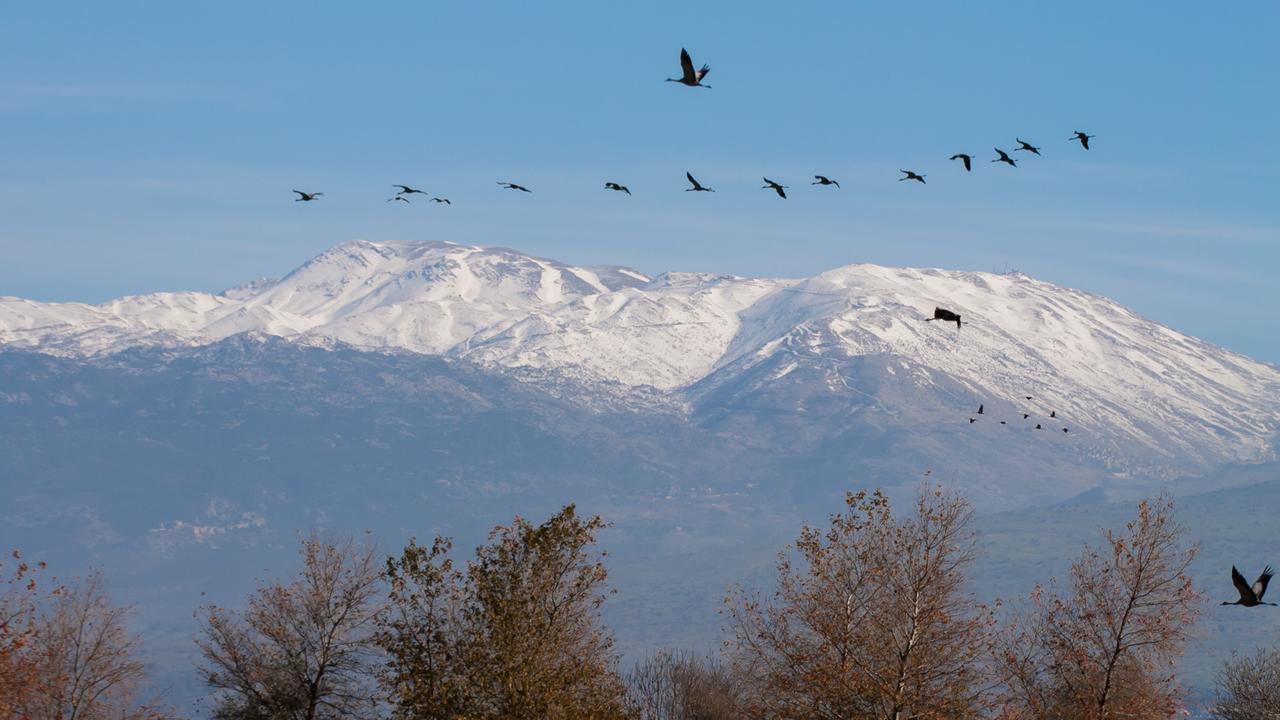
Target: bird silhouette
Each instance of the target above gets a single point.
(513, 186)
(1065, 430)
(1026, 397)
(1053, 413)
(1084, 139)
(697, 186)
(967, 160)
(1003, 422)
(1026, 146)
(1250, 596)
(980, 406)
(1038, 426)
(1026, 415)
(441, 200)
(1004, 158)
(398, 198)
(616, 186)
(909, 175)
(306, 197)
(406, 190)
(771, 185)
(972, 420)
(945, 316)
(689, 76)
(823, 180)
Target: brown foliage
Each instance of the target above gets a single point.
(679, 686)
(87, 663)
(517, 636)
(1105, 647)
(18, 596)
(1249, 688)
(301, 651)
(875, 623)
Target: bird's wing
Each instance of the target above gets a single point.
(690, 176)
(705, 71)
(781, 194)
(1242, 585)
(405, 188)
(300, 193)
(1260, 587)
(625, 190)
(686, 64)
(966, 162)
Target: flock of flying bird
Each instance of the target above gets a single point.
(1250, 595)
(693, 78)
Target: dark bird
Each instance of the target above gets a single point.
(1003, 422)
(909, 175)
(1084, 139)
(441, 200)
(697, 186)
(1053, 414)
(945, 316)
(689, 76)
(967, 160)
(400, 198)
(1004, 158)
(1026, 415)
(1250, 596)
(1065, 430)
(1038, 426)
(616, 186)
(1026, 397)
(1026, 146)
(306, 197)
(406, 190)
(771, 185)
(980, 406)
(972, 420)
(823, 180)
(513, 186)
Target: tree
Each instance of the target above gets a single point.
(1105, 647)
(518, 635)
(18, 598)
(875, 621)
(301, 651)
(88, 665)
(1249, 688)
(679, 686)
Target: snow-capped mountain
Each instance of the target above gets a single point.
(1119, 381)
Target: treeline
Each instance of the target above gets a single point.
(870, 618)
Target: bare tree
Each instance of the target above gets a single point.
(302, 650)
(518, 636)
(874, 623)
(89, 665)
(1249, 688)
(680, 686)
(1106, 647)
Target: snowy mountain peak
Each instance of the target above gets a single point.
(1113, 372)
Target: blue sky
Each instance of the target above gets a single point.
(152, 146)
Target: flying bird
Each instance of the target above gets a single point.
(1038, 426)
(1003, 422)
(771, 185)
(513, 186)
(406, 190)
(967, 160)
(909, 175)
(441, 200)
(1026, 415)
(972, 420)
(823, 180)
(980, 406)
(616, 186)
(689, 76)
(1053, 414)
(1066, 430)
(1004, 158)
(1250, 596)
(697, 186)
(306, 197)
(1026, 397)
(945, 316)
(1026, 146)
(399, 198)
(1084, 139)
